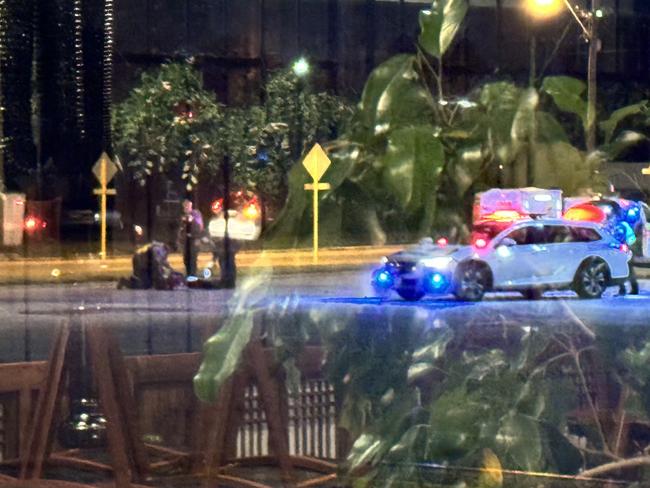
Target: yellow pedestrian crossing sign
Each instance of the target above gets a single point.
(104, 169)
(316, 162)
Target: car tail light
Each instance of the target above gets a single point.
(442, 242)
(33, 224)
(217, 206)
(480, 242)
(251, 211)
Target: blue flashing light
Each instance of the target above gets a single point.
(383, 278)
(632, 215)
(624, 233)
(436, 282)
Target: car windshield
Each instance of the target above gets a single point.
(324, 243)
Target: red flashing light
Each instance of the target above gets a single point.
(585, 212)
(32, 224)
(217, 206)
(442, 242)
(504, 216)
(480, 243)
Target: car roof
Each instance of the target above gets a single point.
(569, 223)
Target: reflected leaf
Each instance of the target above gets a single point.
(567, 93)
(439, 25)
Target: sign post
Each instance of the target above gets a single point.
(104, 169)
(316, 163)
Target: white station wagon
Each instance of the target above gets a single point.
(530, 256)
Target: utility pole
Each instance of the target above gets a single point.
(592, 72)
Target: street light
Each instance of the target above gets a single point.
(301, 69)
(543, 9)
(588, 21)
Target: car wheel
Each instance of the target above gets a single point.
(532, 294)
(410, 294)
(591, 279)
(471, 282)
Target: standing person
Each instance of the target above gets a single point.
(191, 231)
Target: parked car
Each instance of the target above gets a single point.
(244, 218)
(530, 256)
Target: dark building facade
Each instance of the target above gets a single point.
(236, 43)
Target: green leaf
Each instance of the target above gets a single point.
(418, 370)
(519, 437)
(523, 124)
(222, 354)
(558, 451)
(435, 350)
(440, 24)
(549, 129)
(609, 126)
(563, 166)
(567, 93)
(364, 450)
(405, 101)
(374, 88)
(623, 142)
(412, 165)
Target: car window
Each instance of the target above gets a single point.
(584, 234)
(530, 234)
(557, 234)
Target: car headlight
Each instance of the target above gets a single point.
(440, 262)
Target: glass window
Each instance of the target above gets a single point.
(557, 234)
(584, 234)
(531, 234)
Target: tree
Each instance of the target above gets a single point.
(168, 126)
(172, 127)
(414, 157)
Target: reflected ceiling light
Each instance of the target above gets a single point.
(544, 9)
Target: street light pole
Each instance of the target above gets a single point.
(588, 21)
(592, 73)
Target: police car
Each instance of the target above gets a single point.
(244, 222)
(530, 256)
(627, 220)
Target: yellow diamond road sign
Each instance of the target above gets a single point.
(111, 168)
(316, 162)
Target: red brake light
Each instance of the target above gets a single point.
(480, 243)
(31, 223)
(442, 242)
(217, 206)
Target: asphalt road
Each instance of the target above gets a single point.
(149, 321)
